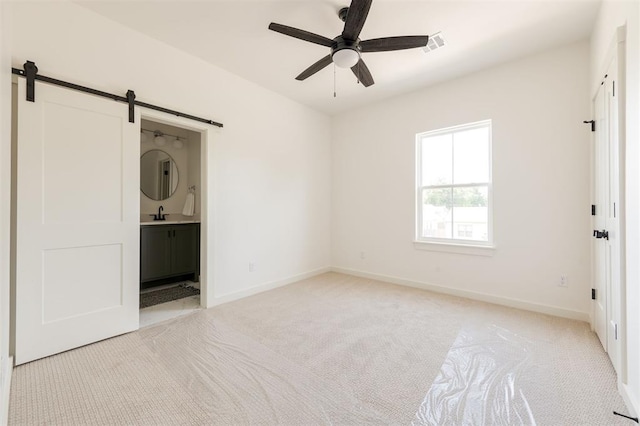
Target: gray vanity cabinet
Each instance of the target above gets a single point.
(185, 248)
(169, 251)
(155, 252)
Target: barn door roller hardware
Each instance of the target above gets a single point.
(30, 72)
(593, 124)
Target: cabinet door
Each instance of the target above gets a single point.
(185, 248)
(155, 253)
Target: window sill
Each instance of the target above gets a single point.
(471, 249)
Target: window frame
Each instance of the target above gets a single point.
(446, 244)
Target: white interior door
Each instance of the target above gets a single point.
(608, 250)
(601, 261)
(77, 254)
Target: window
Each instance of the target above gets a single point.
(454, 185)
(465, 231)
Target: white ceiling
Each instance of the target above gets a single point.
(234, 36)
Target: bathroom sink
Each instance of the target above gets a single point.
(172, 219)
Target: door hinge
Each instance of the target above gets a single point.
(614, 88)
(593, 124)
(593, 209)
(593, 294)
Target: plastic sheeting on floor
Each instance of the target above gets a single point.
(330, 350)
(236, 380)
(480, 381)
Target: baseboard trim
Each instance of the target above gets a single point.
(6, 387)
(483, 297)
(630, 399)
(230, 297)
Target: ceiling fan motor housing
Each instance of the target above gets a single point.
(345, 53)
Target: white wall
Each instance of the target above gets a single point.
(540, 178)
(271, 161)
(5, 204)
(614, 14)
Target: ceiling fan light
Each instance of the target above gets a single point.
(345, 58)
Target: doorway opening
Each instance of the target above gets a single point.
(170, 221)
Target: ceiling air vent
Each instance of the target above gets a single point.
(436, 41)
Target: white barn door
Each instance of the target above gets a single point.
(77, 237)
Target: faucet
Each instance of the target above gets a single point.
(159, 216)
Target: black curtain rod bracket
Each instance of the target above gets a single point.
(30, 71)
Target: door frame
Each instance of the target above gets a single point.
(208, 134)
(616, 50)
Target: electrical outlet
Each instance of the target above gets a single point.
(252, 266)
(564, 281)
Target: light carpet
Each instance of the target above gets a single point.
(333, 349)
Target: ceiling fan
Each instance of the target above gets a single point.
(346, 49)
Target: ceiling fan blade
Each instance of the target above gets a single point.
(301, 34)
(356, 17)
(386, 44)
(315, 68)
(362, 72)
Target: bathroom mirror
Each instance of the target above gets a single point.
(158, 175)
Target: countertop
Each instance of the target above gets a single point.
(171, 219)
